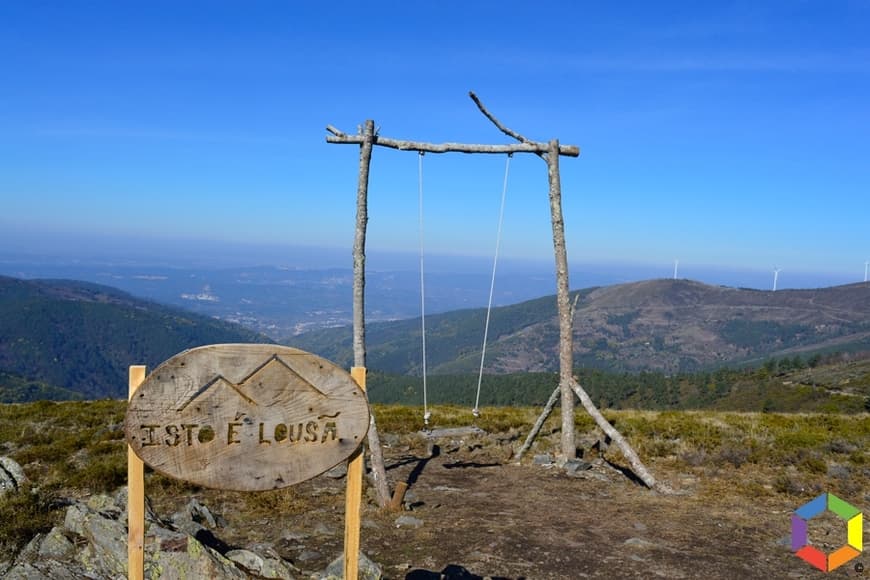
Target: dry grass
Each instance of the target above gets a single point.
(76, 448)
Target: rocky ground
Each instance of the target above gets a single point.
(470, 512)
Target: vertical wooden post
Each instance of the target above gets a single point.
(135, 496)
(353, 498)
(379, 471)
(566, 342)
(359, 247)
(398, 496)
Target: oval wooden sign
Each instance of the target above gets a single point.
(246, 417)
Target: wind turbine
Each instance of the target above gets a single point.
(775, 277)
(677, 264)
(865, 270)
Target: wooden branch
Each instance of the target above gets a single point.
(574, 308)
(402, 145)
(334, 131)
(496, 122)
(636, 464)
(536, 428)
(359, 245)
(379, 472)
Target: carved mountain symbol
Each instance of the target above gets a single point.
(272, 371)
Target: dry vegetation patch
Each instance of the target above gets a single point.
(478, 509)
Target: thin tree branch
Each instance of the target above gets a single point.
(627, 451)
(367, 133)
(536, 428)
(574, 308)
(496, 122)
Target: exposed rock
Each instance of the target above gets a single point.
(92, 543)
(31, 564)
(308, 555)
(201, 514)
(195, 518)
(295, 536)
(447, 488)
(11, 475)
(572, 466)
(260, 566)
(193, 560)
(322, 529)
(249, 561)
(408, 522)
(105, 546)
(368, 570)
(26, 571)
(56, 545)
(543, 459)
(639, 544)
(338, 471)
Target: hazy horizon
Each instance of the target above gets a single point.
(68, 250)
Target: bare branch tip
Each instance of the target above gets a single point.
(334, 131)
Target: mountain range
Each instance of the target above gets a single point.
(81, 337)
(62, 339)
(661, 325)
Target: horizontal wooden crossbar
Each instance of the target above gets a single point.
(402, 145)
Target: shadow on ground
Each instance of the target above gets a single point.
(451, 572)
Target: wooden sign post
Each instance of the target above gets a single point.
(135, 496)
(247, 417)
(353, 497)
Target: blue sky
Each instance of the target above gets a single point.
(727, 134)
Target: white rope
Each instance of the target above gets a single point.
(426, 413)
(476, 410)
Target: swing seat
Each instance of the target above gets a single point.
(452, 432)
(475, 411)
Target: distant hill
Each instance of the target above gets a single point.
(61, 336)
(656, 325)
(17, 389)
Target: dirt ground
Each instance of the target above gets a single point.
(475, 514)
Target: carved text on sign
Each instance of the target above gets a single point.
(246, 417)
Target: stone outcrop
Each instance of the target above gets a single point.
(92, 543)
(368, 570)
(11, 476)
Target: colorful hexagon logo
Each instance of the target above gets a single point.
(854, 532)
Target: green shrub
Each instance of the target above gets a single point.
(23, 515)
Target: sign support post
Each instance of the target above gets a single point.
(135, 496)
(353, 497)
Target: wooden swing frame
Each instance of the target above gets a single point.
(367, 138)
